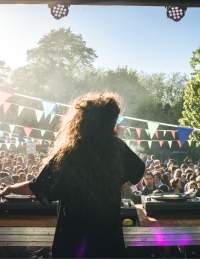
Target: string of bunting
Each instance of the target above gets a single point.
(161, 143)
(183, 133)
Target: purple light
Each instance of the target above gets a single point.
(163, 239)
(159, 238)
(185, 240)
(82, 249)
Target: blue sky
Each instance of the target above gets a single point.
(141, 38)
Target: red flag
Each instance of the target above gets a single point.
(157, 134)
(138, 131)
(179, 143)
(6, 106)
(173, 132)
(27, 131)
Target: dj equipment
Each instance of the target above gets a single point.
(176, 208)
(27, 208)
(33, 207)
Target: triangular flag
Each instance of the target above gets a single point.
(147, 132)
(152, 126)
(42, 132)
(48, 107)
(6, 106)
(27, 131)
(39, 114)
(161, 142)
(184, 133)
(170, 143)
(179, 143)
(12, 127)
(138, 131)
(157, 134)
(173, 132)
(52, 117)
(55, 134)
(119, 120)
(149, 143)
(20, 109)
(8, 145)
(17, 143)
(129, 131)
(164, 133)
(4, 96)
(190, 142)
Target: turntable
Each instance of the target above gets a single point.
(175, 205)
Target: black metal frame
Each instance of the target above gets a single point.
(188, 3)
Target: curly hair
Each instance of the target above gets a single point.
(90, 120)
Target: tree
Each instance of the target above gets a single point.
(4, 73)
(122, 80)
(164, 88)
(191, 106)
(59, 58)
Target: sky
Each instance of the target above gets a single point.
(141, 38)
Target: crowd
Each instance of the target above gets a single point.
(166, 177)
(159, 177)
(15, 168)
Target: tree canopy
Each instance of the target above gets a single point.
(191, 104)
(60, 68)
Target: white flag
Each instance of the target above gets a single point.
(170, 143)
(149, 143)
(12, 127)
(39, 114)
(20, 109)
(152, 126)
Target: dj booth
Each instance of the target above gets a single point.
(177, 208)
(29, 224)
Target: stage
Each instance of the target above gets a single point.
(38, 231)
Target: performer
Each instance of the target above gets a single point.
(85, 172)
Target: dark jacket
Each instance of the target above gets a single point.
(88, 222)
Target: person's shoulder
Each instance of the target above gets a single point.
(119, 141)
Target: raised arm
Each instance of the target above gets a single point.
(17, 188)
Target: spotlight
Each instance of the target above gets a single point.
(176, 13)
(59, 9)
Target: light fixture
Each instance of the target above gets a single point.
(59, 9)
(176, 13)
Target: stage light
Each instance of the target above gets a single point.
(59, 9)
(176, 13)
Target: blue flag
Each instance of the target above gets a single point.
(184, 133)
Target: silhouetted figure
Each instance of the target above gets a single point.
(85, 172)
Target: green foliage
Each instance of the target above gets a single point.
(191, 106)
(195, 61)
(60, 68)
(4, 73)
(53, 64)
(165, 88)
